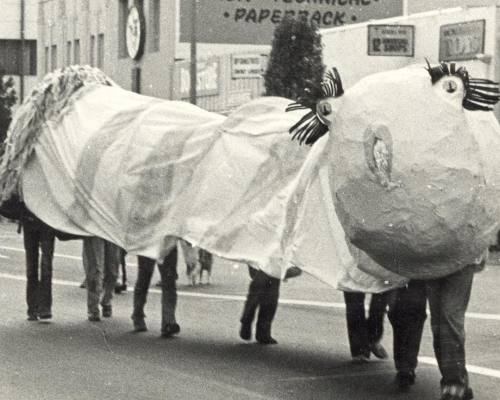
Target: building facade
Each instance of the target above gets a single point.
(142, 44)
(94, 32)
(18, 43)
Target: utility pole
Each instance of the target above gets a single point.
(21, 58)
(192, 65)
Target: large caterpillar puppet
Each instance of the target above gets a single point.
(410, 166)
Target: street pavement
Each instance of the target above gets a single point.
(71, 358)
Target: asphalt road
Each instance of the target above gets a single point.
(71, 358)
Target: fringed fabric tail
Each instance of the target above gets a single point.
(47, 100)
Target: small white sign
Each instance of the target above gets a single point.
(391, 40)
(247, 66)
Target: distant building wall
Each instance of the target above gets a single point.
(10, 43)
(93, 32)
(347, 47)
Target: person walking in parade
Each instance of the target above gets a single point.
(263, 293)
(168, 275)
(100, 261)
(38, 236)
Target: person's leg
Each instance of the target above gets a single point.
(267, 309)
(93, 263)
(251, 304)
(407, 315)
(47, 243)
(206, 260)
(357, 329)
(31, 240)
(168, 273)
(145, 271)
(375, 324)
(111, 265)
(448, 300)
(123, 263)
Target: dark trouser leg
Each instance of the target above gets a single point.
(31, 238)
(123, 264)
(357, 329)
(268, 306)
(47, 243)
(93, 262)
(110, 276)
(253, 299)
(144, 274)
(376, 315)
(168, 274)
(448, 300)
(407, 316)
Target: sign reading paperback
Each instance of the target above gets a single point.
(253, 21)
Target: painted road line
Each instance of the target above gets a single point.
(215, 296)
(4, 256)
(59, 255)
(493, 373)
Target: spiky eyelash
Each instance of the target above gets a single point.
(480, 94)
(310, 128)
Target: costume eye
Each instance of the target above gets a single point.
(450, 86)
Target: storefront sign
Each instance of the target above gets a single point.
(253, 21)
(391, 40)
(247, 66)
(207, 78)
(461, 41)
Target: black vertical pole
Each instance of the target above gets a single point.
(21, 58)
(192, 90)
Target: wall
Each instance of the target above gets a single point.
(217, 91)
(346, 47)
(63, 21)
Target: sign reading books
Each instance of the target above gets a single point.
(462, 41)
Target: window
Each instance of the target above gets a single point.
(154, 25)
(92, 50)
(10, 57)
(100, 50)
(68, 52)
(76, 51)
(122, 28)
(53, 57)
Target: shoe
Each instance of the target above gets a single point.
(158, 284)
(94, 317)
(139, 325)
(120, 288)
(456, 393)
(107, 311)
(361, 358)
(246, 331)
(83, 285)
(32, 317)
(266, 340)
(378, 351)
(45, 316)
(404, 380)
(170, 329)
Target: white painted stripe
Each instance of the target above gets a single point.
(18, 250)
(295, 302)
(4, 256)
(59, 255)
(493, 373)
